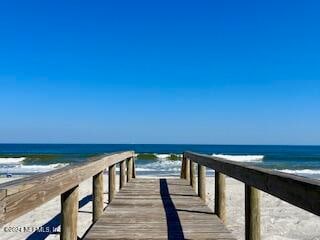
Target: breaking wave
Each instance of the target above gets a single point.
(301, 172)
(240, 158)
(12, 160)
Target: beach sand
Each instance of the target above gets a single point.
(279, 220)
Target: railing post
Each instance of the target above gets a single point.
(202, 182)
(133, 168)
(220, 196)
(112, 182)
(183, 167)
(252, 213)
(97, 203)
(192, 175)
(129, 169)
(188, 169)
(69, 214)
(122, 174)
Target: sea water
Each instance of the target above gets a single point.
(21, 159)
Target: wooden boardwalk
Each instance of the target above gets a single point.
(158, 209)
(146, 208)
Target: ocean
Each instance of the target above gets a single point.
(158, 159)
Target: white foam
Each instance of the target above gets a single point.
(301, 171)
(11, 160)
(240, 158)
(30, 168)
(162, 156)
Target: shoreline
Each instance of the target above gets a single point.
(279, 220)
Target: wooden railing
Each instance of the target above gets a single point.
(299, 191)
(23, 195)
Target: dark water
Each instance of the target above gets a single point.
(302, 160)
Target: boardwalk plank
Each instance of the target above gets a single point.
(158, 209)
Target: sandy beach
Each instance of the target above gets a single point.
(280, 220)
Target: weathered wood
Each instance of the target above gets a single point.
(252, 213)
(129, 169)
(122, 174)
(69, 214)
(158, 209)
(24, 195)
(202, 182)
(220, 196)
(299, 191)
(183, 168)
(192, 175)
(112, 182)
(187, 169)
(133, 168)
(97, 201)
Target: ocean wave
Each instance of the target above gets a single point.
(12, 160)
(240, 158)
(27, 169)
(300, 171)
(159, 156)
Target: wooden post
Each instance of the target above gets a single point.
(220, 196)
(183, 168)
(97, 202)
(133, 168)
(69, 214)
(112, 182)
(202, 182)
(129, 169)
(192, 175)
(252, 213)
(188, 169)
(122, 174)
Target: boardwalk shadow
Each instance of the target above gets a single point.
(173, 221)
(49, 227)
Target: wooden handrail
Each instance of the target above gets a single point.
(23, 195)
(299, 191)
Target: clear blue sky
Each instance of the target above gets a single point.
(219, 72)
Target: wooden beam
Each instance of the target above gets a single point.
(187, 169)
(252, 213)
(69, 214)
(112, 182)
(25, 194)
(97, 202)
(133, 168)
(299, 191)
(220, 196)
(183, 168)
(122, 174)
(129, 169)
(202, 182)
(192, 175)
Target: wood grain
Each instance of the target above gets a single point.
(69, 214)
(23, 195)
(252, 213)
(220, 196)
(112, 182)
(202, 182)
(299, 191)
(158, 209)
(123, 179)
(192, 175)
(129, 169)
(183, 168)
(97, 192)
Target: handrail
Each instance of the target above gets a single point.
(23, 195)
(299, 191)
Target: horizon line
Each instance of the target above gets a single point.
(197, 144)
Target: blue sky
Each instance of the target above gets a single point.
(214, 72)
